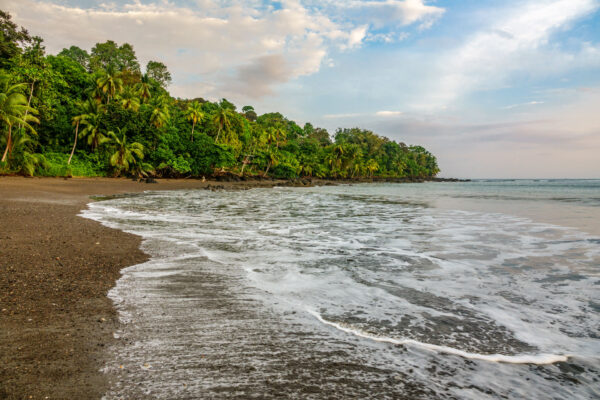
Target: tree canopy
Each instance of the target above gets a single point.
(127, 123)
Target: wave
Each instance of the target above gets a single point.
(538, 359)
(590, 201)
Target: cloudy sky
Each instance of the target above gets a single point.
(494, 88)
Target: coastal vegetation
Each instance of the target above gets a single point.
(97, 113)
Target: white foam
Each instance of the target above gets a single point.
(538, 359)
(437, 276)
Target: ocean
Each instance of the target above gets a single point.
(471, 290)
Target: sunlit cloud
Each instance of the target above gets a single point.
(382, 13)
(236, 45)
(342, 116)
(530, 103)
(388, 113)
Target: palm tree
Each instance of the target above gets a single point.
(95, 93)
(110, 83)
(144, 88)
(29, 99)
(338, 151)
(307, 170)
(356, 169)
(334, 159)
(246, 161)
(354, 156)
(85, 109)
(222, 117)
(257, 139)
(25, 161)
(93, 129)
(331, 160)
(129, 99)
(372, 166)
(401, 167)
(76, 121)
(279, 135)
(194, 113)
(272, 160)
(14, 110)
(160, 112)
(141, 169)
(271, 135)
(126, 155)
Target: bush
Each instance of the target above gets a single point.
(175, 167)
(81, 165)
(204, 155)
(284, 171)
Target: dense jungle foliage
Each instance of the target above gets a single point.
(96, 113)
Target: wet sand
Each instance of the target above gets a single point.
(55, 271)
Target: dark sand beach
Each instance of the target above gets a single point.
(55, 271)
(259, 339)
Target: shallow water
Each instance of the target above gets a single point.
(463, 290)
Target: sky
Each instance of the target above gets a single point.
(493, 88)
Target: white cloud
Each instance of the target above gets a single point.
(342, 116)
(357, 35)
(392, 12)
(516, 42)
(384, 114)
(530, 103)
(388, 113)
(240, 49)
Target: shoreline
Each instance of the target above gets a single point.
(56, 269)
(57, 323)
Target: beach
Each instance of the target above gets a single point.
(56, 269)
(348, 206)
(354, 291)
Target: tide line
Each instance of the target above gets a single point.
(538, 359)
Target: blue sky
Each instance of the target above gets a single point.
(493, 88)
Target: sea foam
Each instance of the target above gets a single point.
(538, 359)
(464, 291)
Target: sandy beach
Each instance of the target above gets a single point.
(257, 309)
(55, 271)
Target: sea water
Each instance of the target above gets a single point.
(474, 290)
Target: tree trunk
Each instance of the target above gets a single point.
(28, 102)
(30, 95)
(267, 171)
(193, 126)
(8, 143)
(218, 133)
(74, 143)
(244, 163)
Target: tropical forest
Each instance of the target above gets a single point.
(99, 113)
